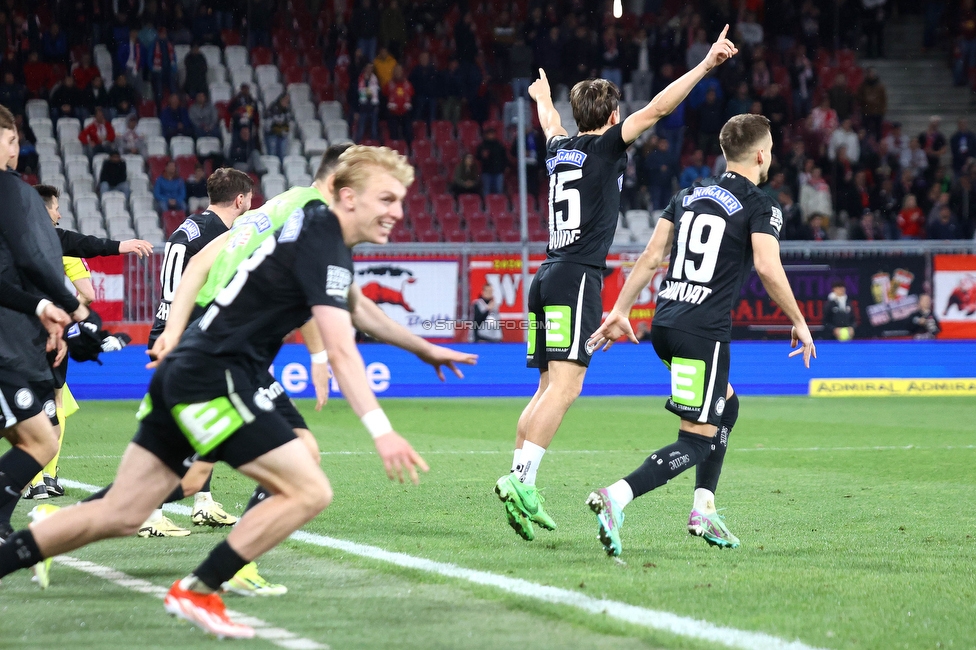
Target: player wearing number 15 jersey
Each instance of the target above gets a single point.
(718, 230)
(585, 176)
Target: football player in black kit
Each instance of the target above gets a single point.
(719, 230)
(230, 193)
(585, 177)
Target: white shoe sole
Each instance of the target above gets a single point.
(175, 607)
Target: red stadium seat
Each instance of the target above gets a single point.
(261, 56)
(185, 165)
(441, 131)
(421, 149)
(230, 37)
(287, 58)
(415, 205)
(428, 235)
(399, 146)
(452, 233)
(469, 204)
(401, 234)
(442, 204)
(156, 166)
(450, 154)
(421, 221)
(294, 74)
(496, 204)
(313, 56)
(505, 221)
(147, 108)
(429, 170)
(172, 220)
(419, 129)
(436, 185)
(469, 135)
(475, 221)
(481, 235)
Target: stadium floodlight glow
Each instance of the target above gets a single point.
(618, 9)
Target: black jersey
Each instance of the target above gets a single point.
(585, 177)
(185, 242)
(712, 253)
(305, 263)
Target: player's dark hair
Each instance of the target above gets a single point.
(742, 134)
(593, 101)
(330, 160)
(225, 184)
(7, 119)
(48, 192)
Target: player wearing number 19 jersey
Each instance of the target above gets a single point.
(718, 231)
(585, 176)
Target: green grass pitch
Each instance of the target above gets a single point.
(855, 516)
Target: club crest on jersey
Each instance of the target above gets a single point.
(776, 218)
(567, 156)
(716, 193)
(190, 229)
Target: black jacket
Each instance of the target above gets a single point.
(835, 315)
(75, 244)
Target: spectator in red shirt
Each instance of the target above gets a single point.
(85, 71)
(911, 221)
(99, 136)
(399, 105)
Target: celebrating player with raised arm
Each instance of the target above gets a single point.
(585, 172)
(722, 229)
(205, 397)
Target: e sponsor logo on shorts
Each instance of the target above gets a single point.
(24, 398)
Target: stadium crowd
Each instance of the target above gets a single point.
(174, 82)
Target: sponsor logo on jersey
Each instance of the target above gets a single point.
(694, 294)
(716, 193)
(190, 229)
(24, 398)
(260, 221)
(566, 156)
(289, 232)
(337, 282)
(776, 218)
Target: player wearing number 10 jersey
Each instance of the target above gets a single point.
(585, 175)
(718, 231)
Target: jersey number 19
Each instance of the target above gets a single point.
(693, 238)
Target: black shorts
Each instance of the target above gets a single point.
(21, 400)
(565, 308)
(225, 409)
(59, 372)
(283, 404)
(699, 373)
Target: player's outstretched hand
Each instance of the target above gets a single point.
(54, 319)
(162, 347)
(540, 87)
(722, 50)
(399, 458)
(801, 336)
(320, 380)
(140, 247)
(438, 356)
(615, 326)
(62, 348)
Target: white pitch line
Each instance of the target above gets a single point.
(648, 618)
(262, 629)
(462, 452)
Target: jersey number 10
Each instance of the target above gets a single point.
(693, 239)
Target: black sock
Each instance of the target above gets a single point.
(7, 511)
(710, 469)
(667, 462)
(206, 484)
(17, 468)
(260, 494)
(175, 495)
(97, 495)
(220, 566)
(19, 552)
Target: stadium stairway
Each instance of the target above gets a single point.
(919, 84)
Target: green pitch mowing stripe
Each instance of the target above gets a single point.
(655, 620)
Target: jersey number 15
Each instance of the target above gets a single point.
(569, 217)
(692, 238)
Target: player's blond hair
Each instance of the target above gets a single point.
(358, 161)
